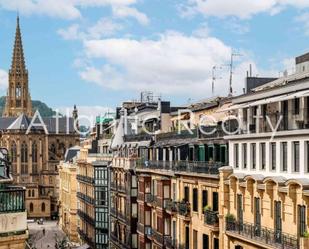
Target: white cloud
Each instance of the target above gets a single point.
(239, 8)
(3, 79)
(71, 9)
(125, 11)
(103, 28)
(173, 64)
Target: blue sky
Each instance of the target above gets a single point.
(97, 53)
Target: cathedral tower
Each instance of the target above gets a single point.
(18, 97)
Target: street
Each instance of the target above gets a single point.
(47, 241)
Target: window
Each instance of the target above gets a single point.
(253, 156)
(24, 158)
(215, 201)
(43, 207)
(29, 193)
(257, 216)
(216, 243)
(34, 158)
(263, 156)
(296, 106)
(204, 199)
(195, 200)
(284, 156)
(239, 209)
(244, 154)
(278, 221)
(194, 239)
(273, 155)
(31, 207)
(236, 154)
(186, 197)
(205, 241)
(296, 156)
(301, 220)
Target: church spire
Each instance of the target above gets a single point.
(18, 98)
(18, 60)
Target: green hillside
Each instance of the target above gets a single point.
(44, 110)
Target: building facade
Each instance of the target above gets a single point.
(36, 146)
(68, 194)
(264, 193)
(13, 215)
(93, 198)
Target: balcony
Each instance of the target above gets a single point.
(261, 235)
(184, 210)
(85, 198)
(85, 237)
(169, 242)
(84, 216)
(149, 198)
(158, 237)
(211, 218)
(171, 206)
(137, 137)
(211, 168)
(86, 179)
(12, 199)
(121, 242)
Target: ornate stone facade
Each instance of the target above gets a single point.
(35, 151)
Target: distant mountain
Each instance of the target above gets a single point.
(44, 110)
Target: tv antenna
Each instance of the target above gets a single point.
(231, 72)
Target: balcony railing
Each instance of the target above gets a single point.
(137, 137)
(149, 198)
(85, 237)
(86, 179)
(184, 209)
(182, 166)
(171, 206)
(86, 217)
(158, 237)
(169, 242)
(211, 218)
(85, 198)
(264, 235)
(12, 199)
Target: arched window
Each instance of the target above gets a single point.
(52, 152)
(18, 91)
(32, 192)
(31, 207)
(43, 207)
(24, 158)
(34, 158)
(29, 193)
(24, 152)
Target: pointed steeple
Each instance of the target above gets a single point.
(18, 98)
(18, 60)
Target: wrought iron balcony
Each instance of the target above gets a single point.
(182, 166)
(85, 237)
(158, 237)
(260, 234)
(170, 206)
(85, 198)
(12, 199)
(141, 196)
(170, 242)
(211, 218)
(84, 216)
(83, 178)
(184, 209)
(149, 198)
